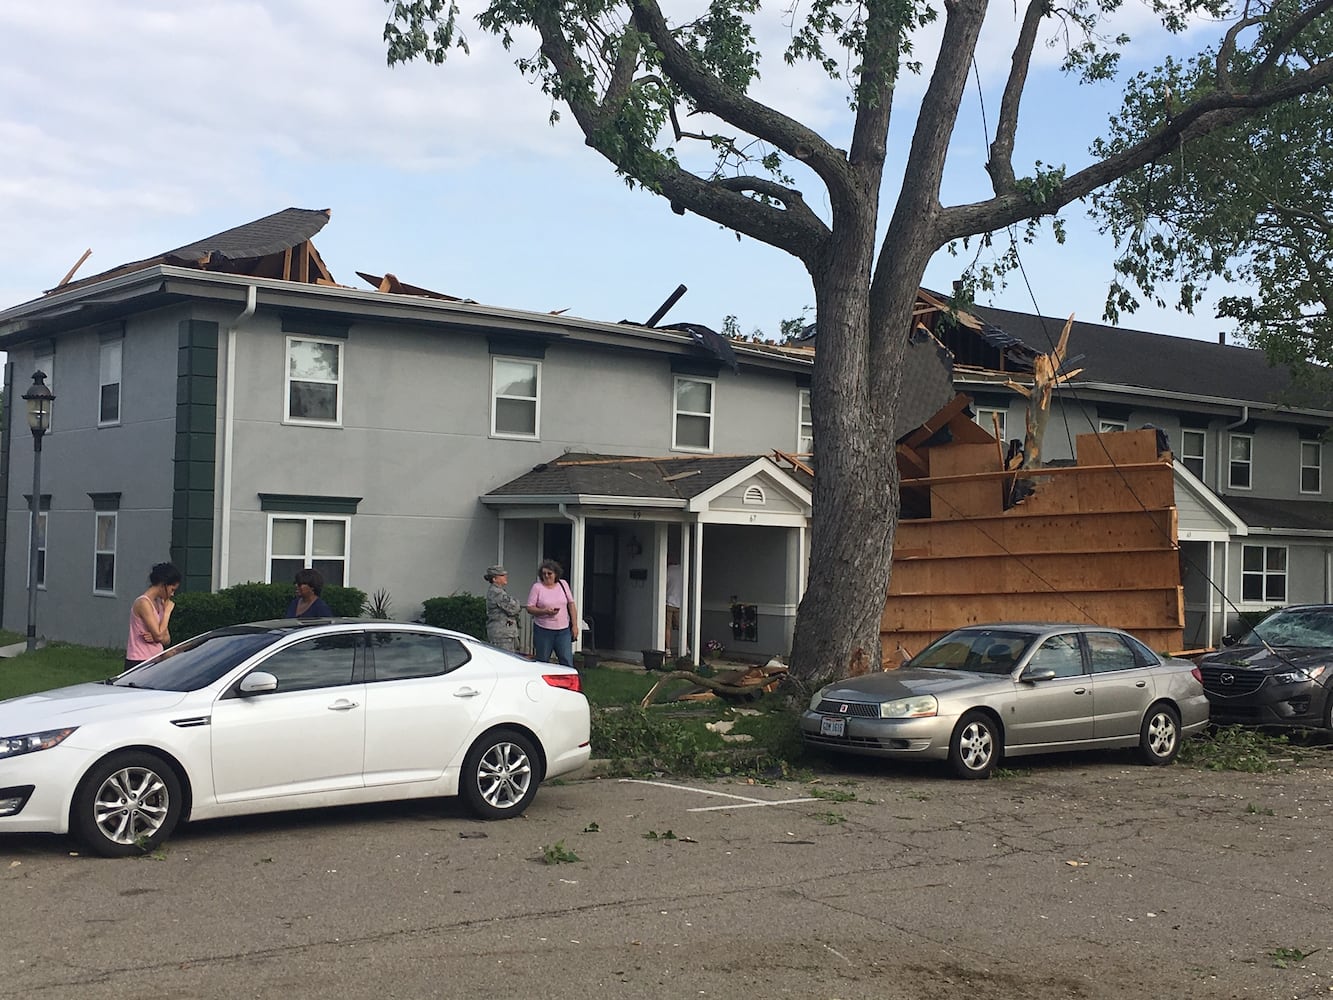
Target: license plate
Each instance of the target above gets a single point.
(832, 727)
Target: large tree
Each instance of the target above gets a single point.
(1247, 207)
(629, 75)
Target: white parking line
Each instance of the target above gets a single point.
(748, 802)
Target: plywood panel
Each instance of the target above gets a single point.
(1127, 609)
(1107, 531)
(1116, 448)
(1044, 571)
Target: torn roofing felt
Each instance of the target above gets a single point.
(231, 249)
(710, 340)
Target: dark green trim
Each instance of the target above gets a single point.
(298, 503)
(697, 369)
(192, 499)
(105, 501)
(314, 325)
(516, 347)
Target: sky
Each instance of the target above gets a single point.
(134, 127)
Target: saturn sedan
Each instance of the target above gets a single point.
(984, 693)
(287, 715)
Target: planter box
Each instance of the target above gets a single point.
(653, 659)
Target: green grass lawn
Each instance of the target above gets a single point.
(57, 665)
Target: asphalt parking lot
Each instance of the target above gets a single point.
(1078, 877)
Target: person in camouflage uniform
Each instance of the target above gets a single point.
(501, 611)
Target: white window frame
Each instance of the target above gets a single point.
(1112, 426)
(984, 420)
(114, 517)
(805, 424)
(308, 556)
(287, 380)
(110, 355)
(43, 533)
(1316, 466)
(1247, 462)
(1186, 457)
(1265, 574)
(535, 400)
(677, 413)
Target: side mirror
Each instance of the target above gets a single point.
(1229, 640)
(258, 682)
(1039, 674)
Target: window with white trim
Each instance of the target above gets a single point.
(1311, 461)
(108, 381)
(313, 381)
(104, 554)
(805, 424)
(515, 397)
(1192, 446)
(41, 547)
(1111, 426)
(1263, 573)
(692, 428)
(297, 541)
(988, 418)
(1241, 449)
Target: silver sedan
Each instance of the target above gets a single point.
(987, 692)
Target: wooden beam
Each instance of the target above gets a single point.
(77, 264)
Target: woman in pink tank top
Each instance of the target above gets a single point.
(150, 615)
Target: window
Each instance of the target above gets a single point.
(328, 661)
(1310, 463)
(1060, 653)
(108, 405)
(805, 424)
(296, 542)
(1263, 573)
(1192, 450)
(1110, 653)
(104, 554)
(693, 429)
(41, 547)
(404, 655)
(1242, 450)
(314, 380)
(990, 418)
(1111, 426)
(515, 397)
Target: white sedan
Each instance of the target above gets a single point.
(287, 715)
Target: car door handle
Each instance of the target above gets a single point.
(1140, 684)
(342, 705)
(466, 693)
(1080, 690)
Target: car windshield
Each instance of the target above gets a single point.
(978, 651)
(1311, 627)
(197, 662)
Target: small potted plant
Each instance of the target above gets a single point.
(713, 649)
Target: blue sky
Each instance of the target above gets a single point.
(134, 127)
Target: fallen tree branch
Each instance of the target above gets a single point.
(706, 682)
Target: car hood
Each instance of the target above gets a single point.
(79, 705)
(1260, 658)
(907, 681)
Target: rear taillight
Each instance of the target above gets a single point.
(1198, 674)
(570, 682)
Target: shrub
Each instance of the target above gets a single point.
(461, 612)
(199, 612)
(251, 602)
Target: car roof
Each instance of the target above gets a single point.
(288, 625)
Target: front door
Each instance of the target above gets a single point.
(599, 591)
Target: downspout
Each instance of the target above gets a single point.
(576, 563)
(1223, 457)
(228, 435)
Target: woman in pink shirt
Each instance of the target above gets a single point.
(555, 619)
(150, 615)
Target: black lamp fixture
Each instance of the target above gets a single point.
(39, 400)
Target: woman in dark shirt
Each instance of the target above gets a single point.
(307, 603)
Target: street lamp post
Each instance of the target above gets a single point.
(39, 399)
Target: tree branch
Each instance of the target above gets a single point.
(1000, 166)
(1281, 44)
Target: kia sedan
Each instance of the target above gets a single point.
(987, 692)
(1279, 673)
(287, 715)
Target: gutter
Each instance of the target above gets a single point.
(229, 435)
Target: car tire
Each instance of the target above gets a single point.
(1328, 709)
(1159, 736)
(127, 804)
(976, 746)
(500, 774)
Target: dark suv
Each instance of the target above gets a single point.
(1279, 673)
